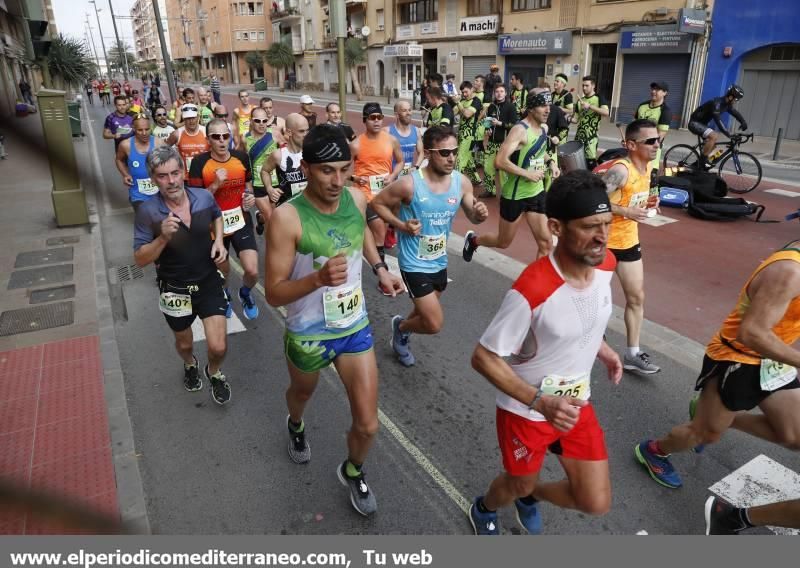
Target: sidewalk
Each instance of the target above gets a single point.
(55, 434)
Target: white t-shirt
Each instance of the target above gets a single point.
(549, 327)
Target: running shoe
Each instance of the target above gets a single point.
(483, 523)
(528, 517)
(722, 517)
(191, 377)
(229, 308)
(698, 449)
(400, 343)
(362, 498)
(659, 467)
(259, 223)
(249, 307)
(469, 246)
(640, 363)
(220, 389)
(299, 450)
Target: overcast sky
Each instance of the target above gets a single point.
(71, 20)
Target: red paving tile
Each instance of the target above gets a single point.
(65, 404)
(12, 523)
(78, 476)
(71, 437)
(71, 350)
(69, 375)
(13, 362)
(20, 385)
(18, 414)
(16, 450)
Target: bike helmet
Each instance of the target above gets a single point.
(735, 91)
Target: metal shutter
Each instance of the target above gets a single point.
(780, 88)
(475, 65)
(641, 70)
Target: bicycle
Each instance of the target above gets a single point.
(741, 170)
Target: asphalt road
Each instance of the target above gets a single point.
(224, 470)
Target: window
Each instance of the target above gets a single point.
(785, 53)
(483, 7)
(419, 11)
(238, 35)
(379, 17)
(519, 5)
(245, 36)
(259, 8)
(251, 8)
(235, 9)
(261, 36)
(253, 36)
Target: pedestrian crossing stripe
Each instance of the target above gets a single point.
(235, 325)
(784, 192)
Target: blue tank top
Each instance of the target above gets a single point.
(427, 252)
(142, 188)
(407, 143)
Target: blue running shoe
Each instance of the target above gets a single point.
(400, 343)
(698, 449)
(659, 467)
(483, 523)
(249, 307)
(528, 517)
(229, 309)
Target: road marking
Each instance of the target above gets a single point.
(98, 170)
(658, 221)
(235, 325)
(784, 192)
(759, 482)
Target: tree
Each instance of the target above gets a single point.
(354, 54)
(182, 66)
(279, 56)
(120, 56)
(69, 62)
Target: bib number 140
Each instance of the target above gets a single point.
(343, 306)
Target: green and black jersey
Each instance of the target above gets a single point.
(562, 99)
(589, 120)
(441, 115)
(520, 99)
(467, 126)
(660, 114)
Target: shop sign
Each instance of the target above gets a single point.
(480, 25)
(402, 50)
(654, 39)
(692, 21)
(537, 43)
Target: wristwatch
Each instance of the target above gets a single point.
(375, 267)
(536, 398)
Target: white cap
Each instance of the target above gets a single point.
(189, 111)
(306, 100)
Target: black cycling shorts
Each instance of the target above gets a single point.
(208, 300)
(629, 254)
(371, 215)
(697, 128)
(260, 191)
(511, 209)
(243, 239)
(739, 384)
(420, 284)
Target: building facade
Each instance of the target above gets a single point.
(145, 32)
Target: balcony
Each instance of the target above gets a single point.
(297, 45)
(354, 2)
(287, 10)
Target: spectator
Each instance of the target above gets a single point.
(25, 89)
(215, 88)
(493, 78)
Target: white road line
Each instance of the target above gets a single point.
(784, 192)
(759, 482)
(235, 325)
(98, 171)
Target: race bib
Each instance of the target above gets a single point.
(232, 221)
(298, 187)
(175, 305)
(639, 199)
(432, 247)
(147, 187)
(124, 130)
(576, 386)
(774, 375)
(406, 169)
(375, 184)
(343, 306)
(537, 165)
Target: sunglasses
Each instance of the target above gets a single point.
(260, 120)
(219, 137)
(648, 141)
(375, 116)
(189, 109)
(221, 115)
(160, 114)
(443, 152)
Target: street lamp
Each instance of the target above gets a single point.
(119, 45)
(102, 41)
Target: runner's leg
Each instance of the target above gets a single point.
(587, 487)
(216, 329)
(780, 421)
(427, 316)
(249, 260)
(503, 238)
(301, 387)
(184, 341)
(538, 226)
(505, 488)
(359, 375)
(631, 276)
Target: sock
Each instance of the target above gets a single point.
(190, 365)
(244, 291)
(482, 507)
(633, 351)
(295, 427)
(654, 448)
(529, 500)
(351, 469)
(473, 240)
(382, 253)
(745, 518)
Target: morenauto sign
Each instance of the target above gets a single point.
(543, 42)
(479, 25)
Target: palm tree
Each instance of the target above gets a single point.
(354, 54)
(69, 62)
(279, 56)
(120, 55)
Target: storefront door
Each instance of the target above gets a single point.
(410, 77)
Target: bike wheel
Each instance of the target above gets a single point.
(741, 171)
(682, 156)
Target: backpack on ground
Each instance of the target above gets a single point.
(712, 208)
(705, 182)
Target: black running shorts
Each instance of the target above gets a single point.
(243, 239)
(260, 191)
(420, 284)
(511, 209)
(207, 300)
(629, 254)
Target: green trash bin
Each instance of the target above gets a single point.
(260, 85)
(74, 110)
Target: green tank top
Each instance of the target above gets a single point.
(328, 313)
(205, 114)
(530, 157)
(258, 163)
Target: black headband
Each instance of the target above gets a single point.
(578, 204)
(325, 143)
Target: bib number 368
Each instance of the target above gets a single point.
(432, 247)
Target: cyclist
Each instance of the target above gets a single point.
(712, 110)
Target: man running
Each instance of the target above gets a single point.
(259, 144)
(172, 231)
(226, 174)
(712, 111)
(313, 267)
(656, 111)
(205, 110)
(189, 98)
(221, 112)
(519, 94)
(374, 154)
(131, 162)
(190, 138)
(285, 163)
(628, 183)
(119, 124)
(241, 117)
(750, 362)
(407, 135)
(274, 122)
(523, 155)
(441, 114)
(306, 110)
(427, 201)
(334, 113)
(501, 116)
(589, 110)
(469, 107)
(161, 129)
(552, 323)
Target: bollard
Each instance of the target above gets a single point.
(778, 141)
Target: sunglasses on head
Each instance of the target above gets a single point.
(219, 137)
(260, 120)
(443, 152)
(221, 115)
(648, 141)
(375, 116)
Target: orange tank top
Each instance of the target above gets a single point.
(374, 161)
(190, 145)
(787, 329)
(624, 233)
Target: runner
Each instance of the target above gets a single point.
(427, 200)
(407, 135)
(136, 103)
(274, 122)
(657, 111)
(469, 108)
(724, 518)
(259, 145)
(562, 98)
(523, 155)
(519, 94)
(205, 107)
(190, 138)
(334, 112)
(161, 129)
(107, 92)
(441, 114)
(88, 88)
(589, 110)
(306, 103)
(327, 319)
(119, 124)
(116, 88)
(221, 112)
(500, 118)
(628, 183)
(750, 362)
(126, 86)
(552, 323)
(284, 162)
(172, 231)
(374, 152)
(154, 99)
(131, 162)
(241, 116)
(226, 174)
(189, 99)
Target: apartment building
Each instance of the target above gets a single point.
(145, 32)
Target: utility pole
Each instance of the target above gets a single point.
(94, 47)
(102, 41)
(339, 30)
(119, 44)
(173, 93)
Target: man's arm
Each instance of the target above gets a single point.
(717, 117)
(150, 252)
(475, 210)
(121, 161)
(738, 116)
(172, 139)
(388, 200)
(509, 146)
(399, 162)
(283, 232)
